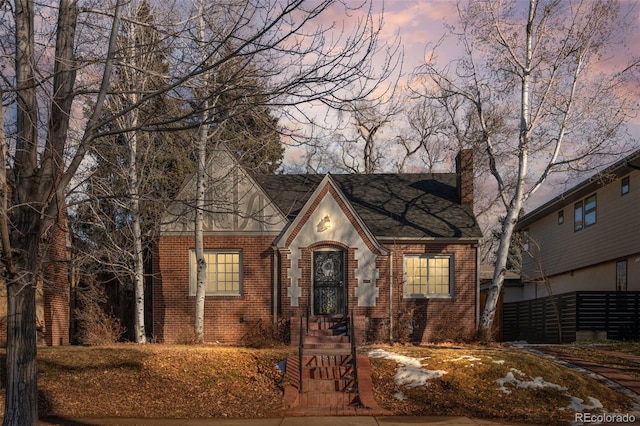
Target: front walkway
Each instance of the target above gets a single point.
(615, 375)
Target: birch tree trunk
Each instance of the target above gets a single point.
(138, 259)
(201, 264)
(534, 97)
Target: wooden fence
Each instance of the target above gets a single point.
(573, 316)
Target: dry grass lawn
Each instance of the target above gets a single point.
(154, 381)
(470, 387)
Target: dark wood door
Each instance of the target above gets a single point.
(328, 283)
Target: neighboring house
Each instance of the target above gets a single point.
(586, 239)
(380, 246)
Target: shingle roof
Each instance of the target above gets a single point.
(391, 205)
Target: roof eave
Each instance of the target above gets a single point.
(583, 188)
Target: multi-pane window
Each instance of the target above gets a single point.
(223, 273)
(584, 213)
(624, 185)
(428, 275)
(560, 217)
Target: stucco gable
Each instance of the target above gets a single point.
(328, 218)
(234, 203)
(328, 202)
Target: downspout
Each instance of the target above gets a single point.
(391, 297)
(275, 284)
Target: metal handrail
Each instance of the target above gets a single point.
(352, 337)
(308, 312)
(300, 353)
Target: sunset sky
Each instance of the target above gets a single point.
(419, 23)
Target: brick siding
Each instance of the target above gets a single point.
(174, 308)
(433, 319)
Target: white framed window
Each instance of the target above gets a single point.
(224, 272)
(428, 276)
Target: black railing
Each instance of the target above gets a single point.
(300, 353)
(308, 312)
(354, 358)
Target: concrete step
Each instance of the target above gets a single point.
(337, 324)
(326, 339)
(328, 399)
(324, 351)
(330, 373)
(328, 346)
(325, 332)
(329, 360)
(327, 385)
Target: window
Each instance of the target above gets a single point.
(577, 216)
(621, 275)
(428, 276)
(560, 217)
(224, 272)
(589, 211)
(624, 185)
(584, 213)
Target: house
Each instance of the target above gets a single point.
(587, 238)
(581, 262)
(397, 251)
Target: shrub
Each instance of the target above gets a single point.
(96, 324)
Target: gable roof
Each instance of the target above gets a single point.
(393, 206)
(582, 189)
(327, 188)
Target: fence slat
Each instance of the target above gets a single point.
(536, 321)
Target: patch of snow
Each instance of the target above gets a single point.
(412, 377)
(577, 404)
(410, 372)
(499, 361)
(518, 372)
(400, 359)
(399, 396)
(536, 383)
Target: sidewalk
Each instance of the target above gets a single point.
(284, 421)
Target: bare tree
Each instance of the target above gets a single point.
(38, 186)
(364, 150)
(281, 40)
(534, 82)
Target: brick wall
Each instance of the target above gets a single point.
(173, 307)
(55, 285)
(439, 319)
(433, 319)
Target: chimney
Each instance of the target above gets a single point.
(464, 176)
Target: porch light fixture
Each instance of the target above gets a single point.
(325, 223)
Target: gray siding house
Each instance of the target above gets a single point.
(586, 239)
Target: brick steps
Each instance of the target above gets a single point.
(328, 379)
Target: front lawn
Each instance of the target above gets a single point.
(152, 381)
(496, 382)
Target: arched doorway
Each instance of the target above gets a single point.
(329, 290)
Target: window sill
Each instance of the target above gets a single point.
(431, 297)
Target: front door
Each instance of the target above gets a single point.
(328, 283)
